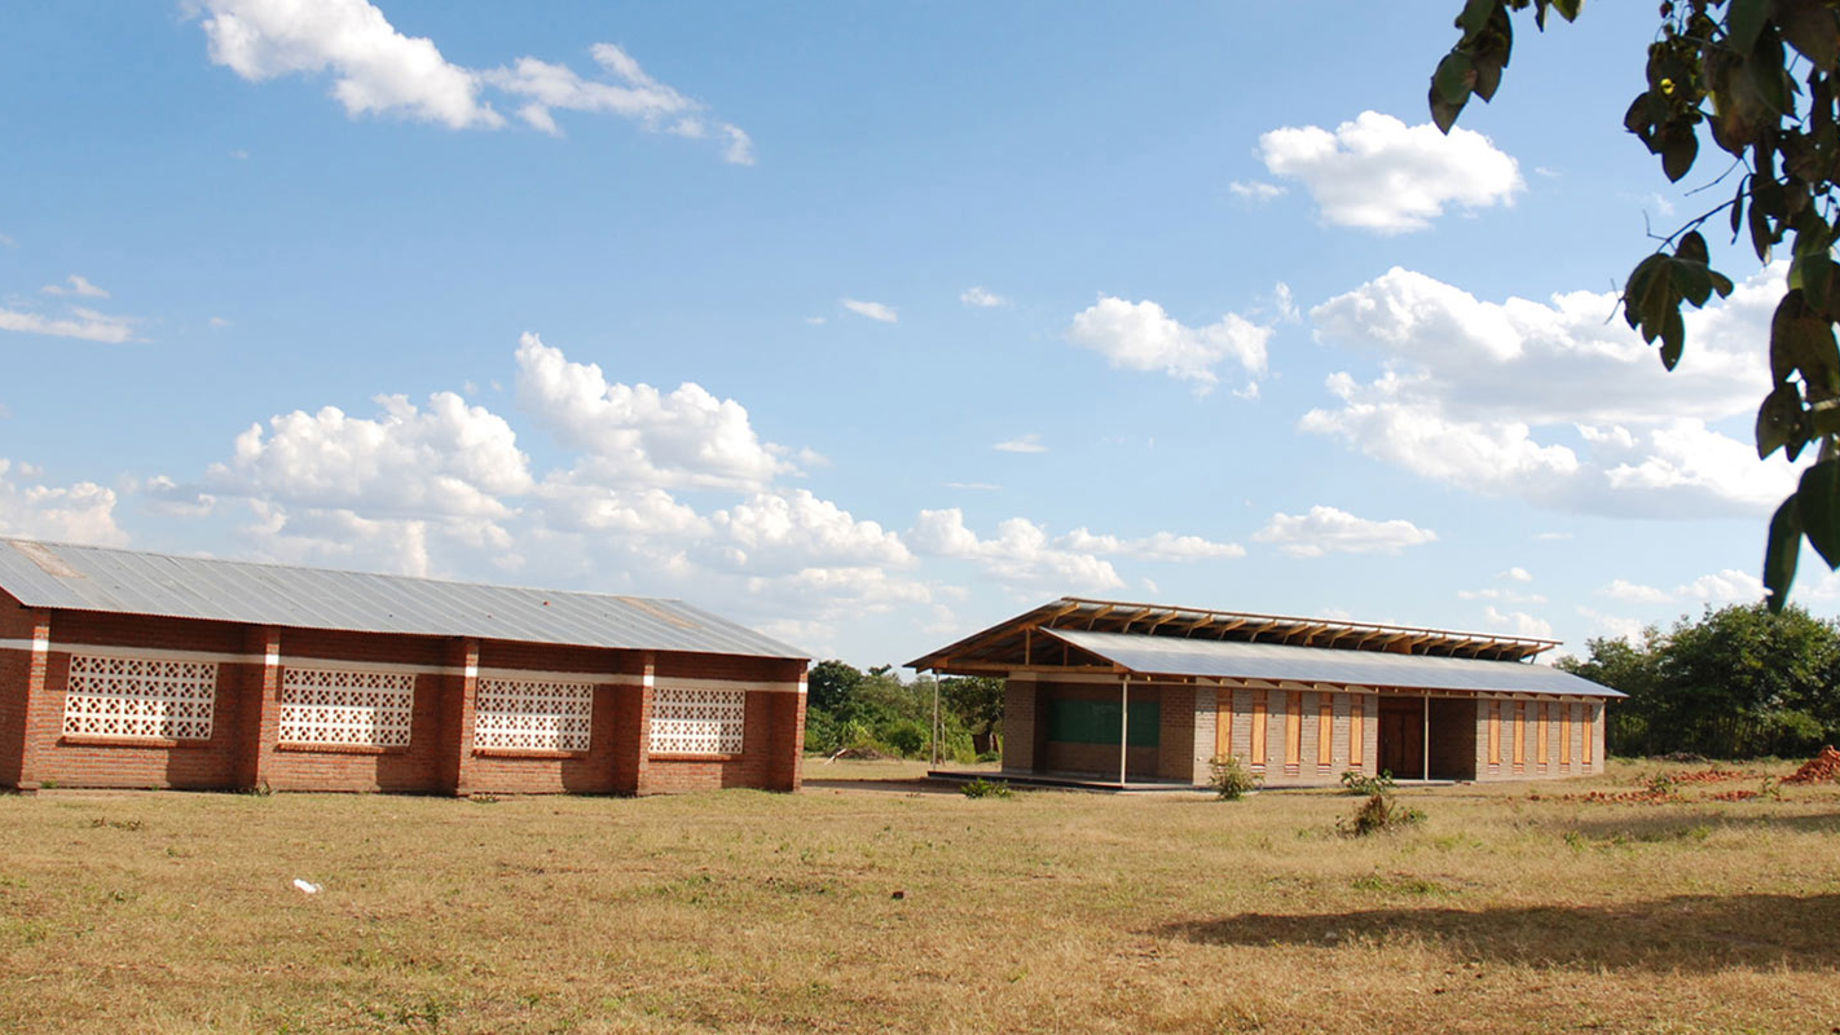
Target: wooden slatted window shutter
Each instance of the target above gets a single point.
(1357, 737)
(1325, 732)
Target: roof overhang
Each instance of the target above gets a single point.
(1281, 664)
(1012, 644)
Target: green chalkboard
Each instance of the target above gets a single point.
(1096, 722)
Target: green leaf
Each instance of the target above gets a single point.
(1453, 78)
(1817, 277)
(1803, 341)
(1809, 26)
(1635, 290)
(1679, 147)
(1743, 22)
(1488, 76)
(1475, 16)
(1692, 247)
(1673, 339)
(1780, 556)
(1568, 9)
(1761, 236)
(1778, 419)
(1818, 504)
(1737, 211)
(1443, 114)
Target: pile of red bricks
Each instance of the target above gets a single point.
(1822, 768)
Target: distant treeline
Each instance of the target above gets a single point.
(1738, 683)
(849, 708)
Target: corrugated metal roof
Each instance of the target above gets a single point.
(92, 578)
(1167, 656)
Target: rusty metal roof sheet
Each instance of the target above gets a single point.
(92, 578)
(1163, 655)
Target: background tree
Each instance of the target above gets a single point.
(849, 708)
(977, 701)
(1759, 76)
(1740, 682)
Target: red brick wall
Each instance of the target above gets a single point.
(440, 756)
(1019, 725)
(16, 623)
(420, 767)
(769, 759)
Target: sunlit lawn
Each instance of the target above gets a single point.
(860, 906)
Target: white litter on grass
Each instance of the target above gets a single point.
(306, 886)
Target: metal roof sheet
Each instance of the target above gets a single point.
(1162, 655)
(92, 578)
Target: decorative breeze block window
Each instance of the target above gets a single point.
(533, 715)
(346, 707)
(140, 697)
(697, 722)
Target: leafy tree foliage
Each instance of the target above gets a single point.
(1760, 77)
(846, 707)
(1741, 682)
(830, 684)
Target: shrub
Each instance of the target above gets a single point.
(982, 788)
(1230, 778)
(821, 731)
(1359, 783)
(1379, 814)
(906, 736)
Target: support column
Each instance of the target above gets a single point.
(463, 656)
(1124, 728)
(262, 707)
(935, 720)
(1427, 738)
(648, 684)
(41, 723)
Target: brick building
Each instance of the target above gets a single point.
(127, 669)
(1144, 693)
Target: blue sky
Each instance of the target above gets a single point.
(870, 325)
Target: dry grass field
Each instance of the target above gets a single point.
(862, 906)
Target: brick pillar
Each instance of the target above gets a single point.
(796, 751)
(648, 675)
(41, 723)
(261, 693)
(1019, 723)
(463, 686)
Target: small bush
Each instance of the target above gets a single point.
(906, 736)
(1230, 778)
(1379, 814)
(982, 788)
(1362, 785)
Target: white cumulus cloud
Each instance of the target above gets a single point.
(1326, 530)
(637, 436)
(1551, 401)
(83, 512)
(980, 298)
(378, 70)
(1377, 173)
(1142, 336)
